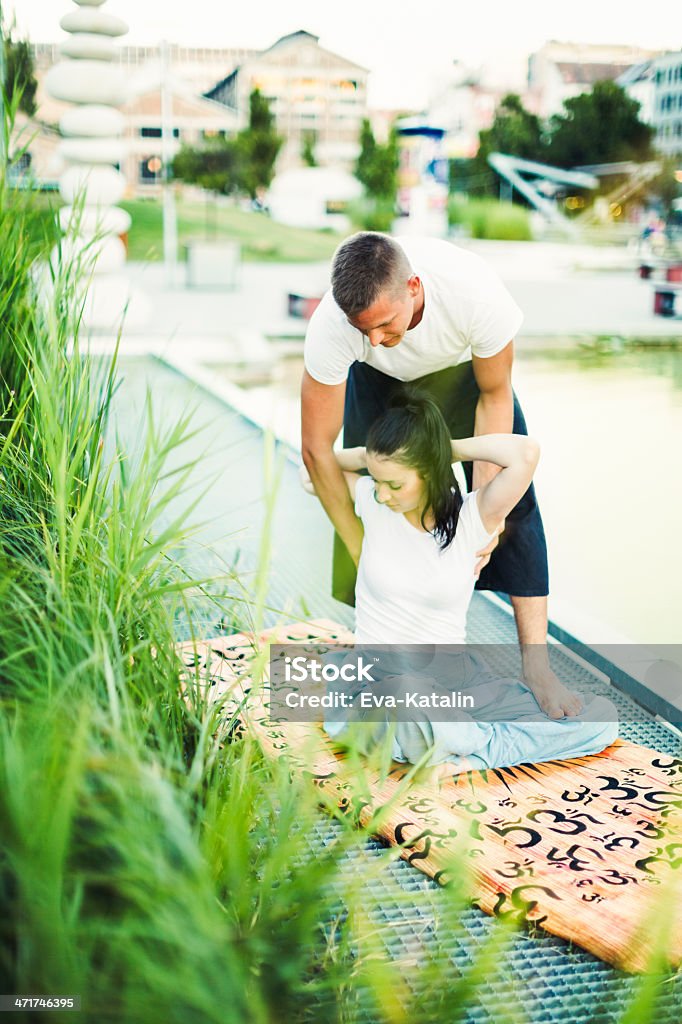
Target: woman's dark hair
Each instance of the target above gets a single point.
(413, 432)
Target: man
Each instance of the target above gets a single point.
(423, 310)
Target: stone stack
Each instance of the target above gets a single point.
(91, 185)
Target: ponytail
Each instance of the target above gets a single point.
(413, 432)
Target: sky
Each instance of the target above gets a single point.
(406, 45)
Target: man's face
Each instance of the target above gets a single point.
(386, 320)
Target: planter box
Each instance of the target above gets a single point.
(212, 264)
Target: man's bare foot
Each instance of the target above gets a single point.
(555, 699)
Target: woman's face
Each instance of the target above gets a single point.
(397, 486)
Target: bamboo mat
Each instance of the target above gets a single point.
(589, 849)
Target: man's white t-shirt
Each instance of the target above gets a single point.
(408, 590)
(467, 310)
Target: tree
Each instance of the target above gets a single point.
(308, 149)
(377, 165)
(600, 126)
(365, 160)
(214, 167)
(258, 146)
(242, 164)
(514, 131)
(19, 71)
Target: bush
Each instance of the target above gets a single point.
(489, 218)
(372, 214)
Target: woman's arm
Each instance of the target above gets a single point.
(516, 454)
(349, 459)
(354, 540)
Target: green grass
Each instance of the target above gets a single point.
(488, 218)
(261, 238)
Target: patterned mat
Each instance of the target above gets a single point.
(589, 849)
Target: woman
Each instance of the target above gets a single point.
(418, 540)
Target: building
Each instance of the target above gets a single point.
(639, 83)
(464, 105)
(193, 118)
(559, 71)
(199, 67)
(313, 93)
(667, 103)
(657, 85)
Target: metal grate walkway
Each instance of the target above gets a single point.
(560, 983)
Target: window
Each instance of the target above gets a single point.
(346, 85)
(157, 133)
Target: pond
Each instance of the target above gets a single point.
(610, 487)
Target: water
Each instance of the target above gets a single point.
(609, 482)
(610, 487)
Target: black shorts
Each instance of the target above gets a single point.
(518, 565)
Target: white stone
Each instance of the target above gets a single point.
(96, 220)
(84, 45)
(102, 186)
(103, 256)
(92, 151)
(92, 120)
(87, 81)
(93, 21)
(112, 304)
(107, 299)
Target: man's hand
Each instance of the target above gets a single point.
(484, 554)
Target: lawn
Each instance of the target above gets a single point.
(260, 237)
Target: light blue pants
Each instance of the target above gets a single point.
(507, 727)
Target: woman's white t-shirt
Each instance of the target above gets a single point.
(408, 590)
(467, 309)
